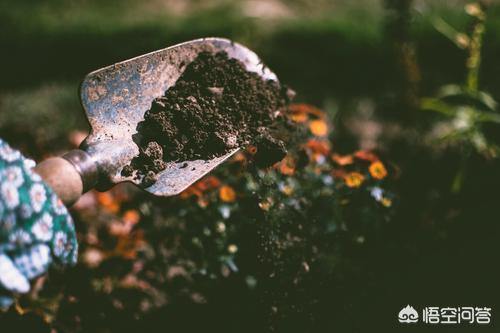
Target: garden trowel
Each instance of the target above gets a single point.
(115, 99)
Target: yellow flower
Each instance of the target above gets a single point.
(227, 194)
(266, 204)
(377, 170)
(386, 202)
(354, 179)
(287, 189)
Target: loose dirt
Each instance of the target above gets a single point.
(214, 107)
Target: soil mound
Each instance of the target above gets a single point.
(215, 106)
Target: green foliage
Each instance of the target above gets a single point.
(466, 108)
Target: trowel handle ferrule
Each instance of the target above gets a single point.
(70, 175)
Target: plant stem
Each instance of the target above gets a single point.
(474, 58)
(458, 180)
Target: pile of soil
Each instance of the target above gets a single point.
(215, 106)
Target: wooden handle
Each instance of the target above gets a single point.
(62, 177)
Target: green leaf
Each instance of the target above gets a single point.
(436, 105)
(487, 100)
(489, 117)
(451, 90)
(459, 39)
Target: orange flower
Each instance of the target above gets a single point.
(119, 229)
(127, 247)
(299, 117)
(318, 127)
(131, 216)
(377, 170)
(104, 198)
(227, 194)
(318, 147)
(190, 191)
(252, 150)
(338, 173)
(208, 183)
(342, 160)
(354, 179)
(286, 166)
(108, 201)
(239, 157)
(366, 155)
(305, 109)
(198, 188)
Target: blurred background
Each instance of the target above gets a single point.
(331, 52)
(413, 82)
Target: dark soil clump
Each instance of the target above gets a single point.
(215, 106)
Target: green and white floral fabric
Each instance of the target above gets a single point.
(36, 229)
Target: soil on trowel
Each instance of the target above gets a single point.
(215, 106)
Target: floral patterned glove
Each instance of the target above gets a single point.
(36, 229)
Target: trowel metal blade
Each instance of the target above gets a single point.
(116, 97)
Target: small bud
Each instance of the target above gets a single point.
(462, 40)
(474, 9)
(232, 249)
